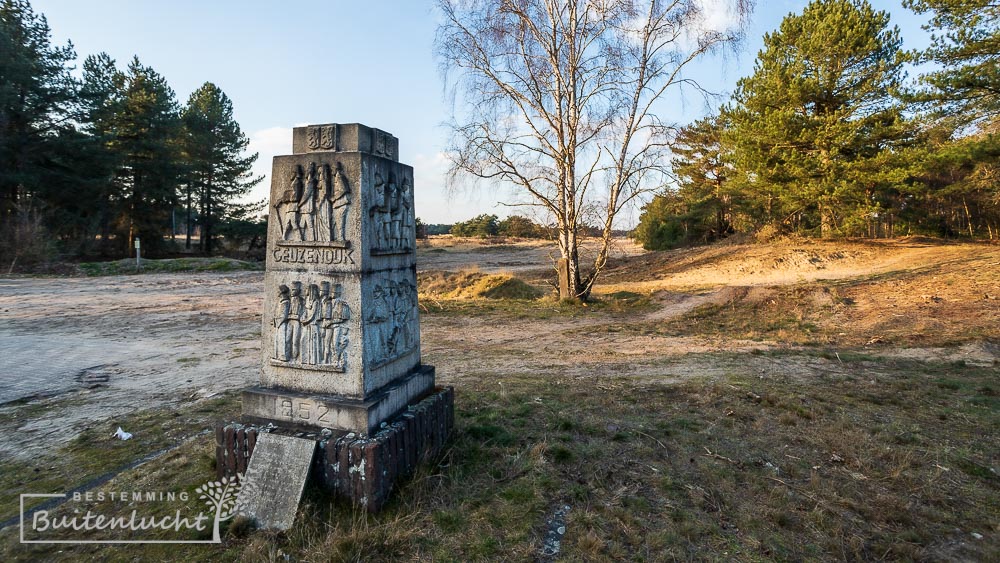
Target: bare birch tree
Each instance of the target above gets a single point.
(559, 98)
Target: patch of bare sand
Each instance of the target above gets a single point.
(784, 263)
(445, 252)
(958, 279)
(159, 341)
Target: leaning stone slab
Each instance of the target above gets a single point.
(274, 480)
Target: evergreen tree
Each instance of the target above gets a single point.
(702, 175)
(699, 208)
(954, 188)
(966, 43)
(664, 223)
(218, 172)
(811, 128)
(483, 226)
(102, 103)
(520, 227)
(245, 226)
(147, 131)
(37, 94)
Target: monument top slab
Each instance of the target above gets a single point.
(345, 137)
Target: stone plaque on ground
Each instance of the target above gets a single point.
(341, 334)
(274, 480)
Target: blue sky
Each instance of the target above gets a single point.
(292, 63)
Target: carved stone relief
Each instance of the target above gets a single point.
(323, 138)
(392, 215)
(311, 330)
(382, 144)
(391, 318)
(314, 208)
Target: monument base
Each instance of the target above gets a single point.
(315, 411)
(362, 469)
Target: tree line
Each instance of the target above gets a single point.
(828, 138)
(90, 164)
(488, 225)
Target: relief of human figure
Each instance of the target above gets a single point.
(392, 325)
(393, 219)
(324, 222)
(288, 206)
(336, 312)
(379, 212)
(380, 317)
(397, 300)
(307, 206)
(340, 205)
(339, 314)
(341, 344)
(282, 348)
(407, 307)
(326, 328)
(310, 327)
(407, 226)
(296, 310)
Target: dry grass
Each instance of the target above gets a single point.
(736, 469)
(906, 310)
(472, 284)
(92, 453)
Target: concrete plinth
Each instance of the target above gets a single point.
(318, 411)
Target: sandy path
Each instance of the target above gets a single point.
(103, 347)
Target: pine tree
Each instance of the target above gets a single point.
(664, 223)
(37, 94)
(147, 132)
(966, 43)
(702, 176)
(811, 128)
(218, 172)
(102, 103)
(699, 207)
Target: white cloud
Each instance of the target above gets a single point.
(272, 140)
(718, 15)
(432, 167)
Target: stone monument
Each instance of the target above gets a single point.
(340, 325)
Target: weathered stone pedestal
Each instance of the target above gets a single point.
(341, 332)
(362, 469)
